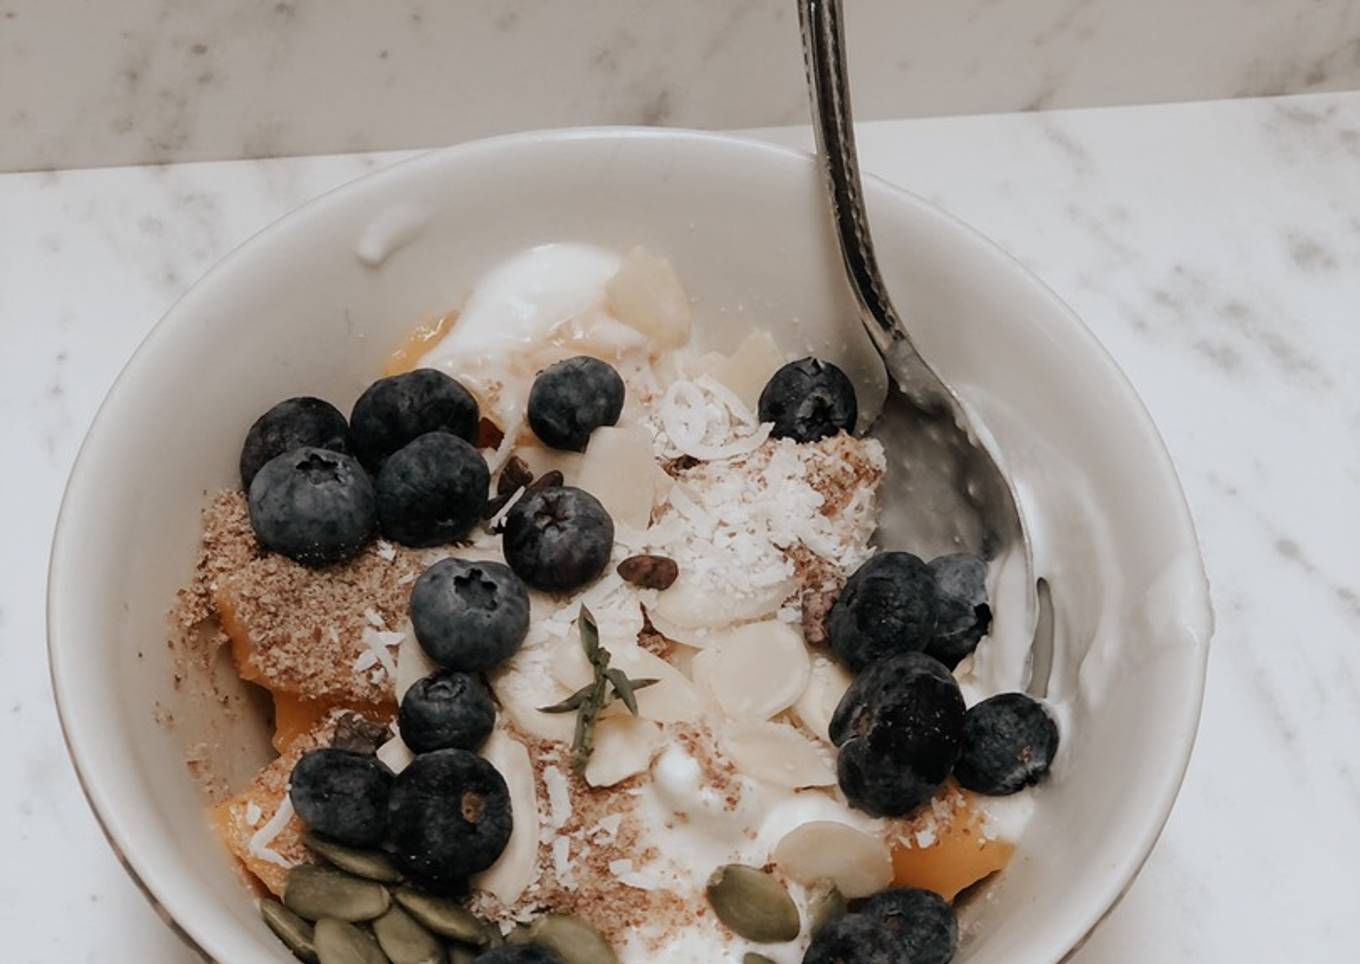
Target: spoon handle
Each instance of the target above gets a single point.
(829, 90)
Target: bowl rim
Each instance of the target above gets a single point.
(149, 876)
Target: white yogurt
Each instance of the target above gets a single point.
(534, 308)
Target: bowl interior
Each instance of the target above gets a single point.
(294, 311)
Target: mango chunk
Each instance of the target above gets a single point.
(959, 857)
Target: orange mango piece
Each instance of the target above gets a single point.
(960, 856)
(294, 718)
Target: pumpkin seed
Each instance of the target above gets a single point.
(445, 917)
(824, 904)
(315, 891)
(753, 904)
(519, 934)
(288, 927)
(340, 942)
(572, 939)
(406, 942)
(754, 958)
(369, 864)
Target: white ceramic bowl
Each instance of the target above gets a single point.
(293, 311)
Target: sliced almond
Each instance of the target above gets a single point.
(413, 665)
(777, 754)
(526, 683)
(748, 369)
(624, 746)
(615, 469)
(858, 863)
(646, 294)
(540, 459)
(754, 671)
(827, 683)
(692, 604)
(517, 865)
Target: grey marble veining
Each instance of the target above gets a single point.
(1213, 248)
(149, 81)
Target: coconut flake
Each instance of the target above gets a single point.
(561, 855)
(385, 550)
(262, 838)
(379, 643)
(502, 453)
(559, 797)
(253, 813)
(495, 521)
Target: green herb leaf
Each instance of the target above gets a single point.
(623, 688)
(571, 703)
(590, 634)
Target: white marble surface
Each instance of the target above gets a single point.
(1214, 248)
(86, 84)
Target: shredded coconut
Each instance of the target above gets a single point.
(260, 841)
(559, 797)
(253, 813)
(494, 522)
(705, 421)
(737, 525)
(379, 642)
(561, 854)
(502, 453)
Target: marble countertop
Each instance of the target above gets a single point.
(1213, 247)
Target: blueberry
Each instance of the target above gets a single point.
(888, 606)
(961, 604)
(573, 398)
(809, 400)
(291, 424)
(855, 939)
(899, 727)
(448, 818)
(1009, 742)
(394, 411)
(518, 954)
(444, 710)
(558, 538)
(313, 505)
(924, 924)
(342, 795)
(469, 616)
(432, 490)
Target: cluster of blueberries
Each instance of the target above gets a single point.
(405, 464)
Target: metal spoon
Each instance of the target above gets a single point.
(946, 492)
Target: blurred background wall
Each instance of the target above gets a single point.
(98, 82)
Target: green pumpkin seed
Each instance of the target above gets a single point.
(461, 954)
(754, 958)
(494, 937)
(753, 904)
(406, 942)
(340, 942)
(288, 927)
(315, 891)
(445, 917)
(572, 939)
(824, 904)
(519, 934)
(369, 864)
